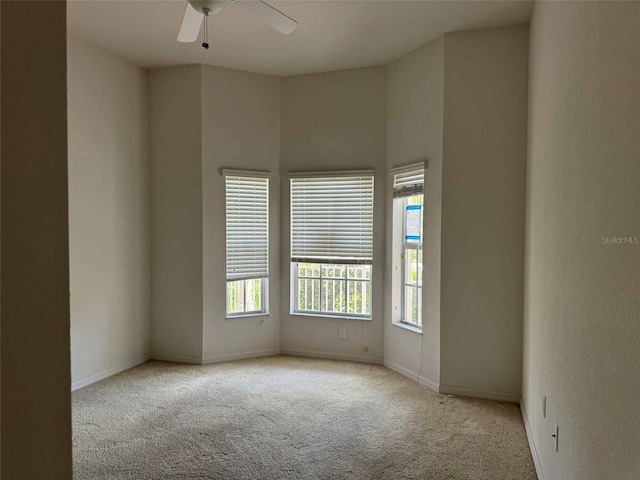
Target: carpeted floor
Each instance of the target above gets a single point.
(289, 418)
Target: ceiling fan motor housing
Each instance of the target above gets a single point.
(213, 6)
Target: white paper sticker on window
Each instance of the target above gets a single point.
(412, 225)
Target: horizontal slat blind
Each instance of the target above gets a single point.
(247, 212)
(408, 184)
(332, 219)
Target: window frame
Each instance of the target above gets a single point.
(405, 272)
(407, 182)
(264, 299)
(264, 280)
(327, 313)
(357, 260)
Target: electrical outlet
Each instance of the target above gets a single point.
(342, 333)
(544, 406)
(555, 435)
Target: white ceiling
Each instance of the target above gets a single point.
(332, 35)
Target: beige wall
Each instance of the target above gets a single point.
(36, 380)
(240, 129)
(203, 119)
(582, 296)
(483, 194)
(415, 87)
(175, 150)
(334, 121)
(108, 213)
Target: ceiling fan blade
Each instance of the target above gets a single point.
(268, 14)
(190, 27)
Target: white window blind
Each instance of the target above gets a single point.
(332, 219)
(408, 184)
(247, 213)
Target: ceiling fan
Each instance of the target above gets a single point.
(197, 10)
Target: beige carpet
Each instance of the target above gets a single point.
(289, 418)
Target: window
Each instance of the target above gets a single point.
(408, 200)
(332, 244)
(247, 254)
(333, 289)
(412, 262)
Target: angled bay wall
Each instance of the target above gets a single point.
(460, 102)
(203, 119)
(176, 213)
(483, 198)
(415, 101)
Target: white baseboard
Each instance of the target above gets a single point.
(109, 372)
(241, 356)
(405, 372)
(532, 445)
(430, 384)
(176, 358)
(411, 375)
(474, 393)
(332, 356)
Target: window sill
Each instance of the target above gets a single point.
(406, 326)
(326, 315)
(245, 315)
